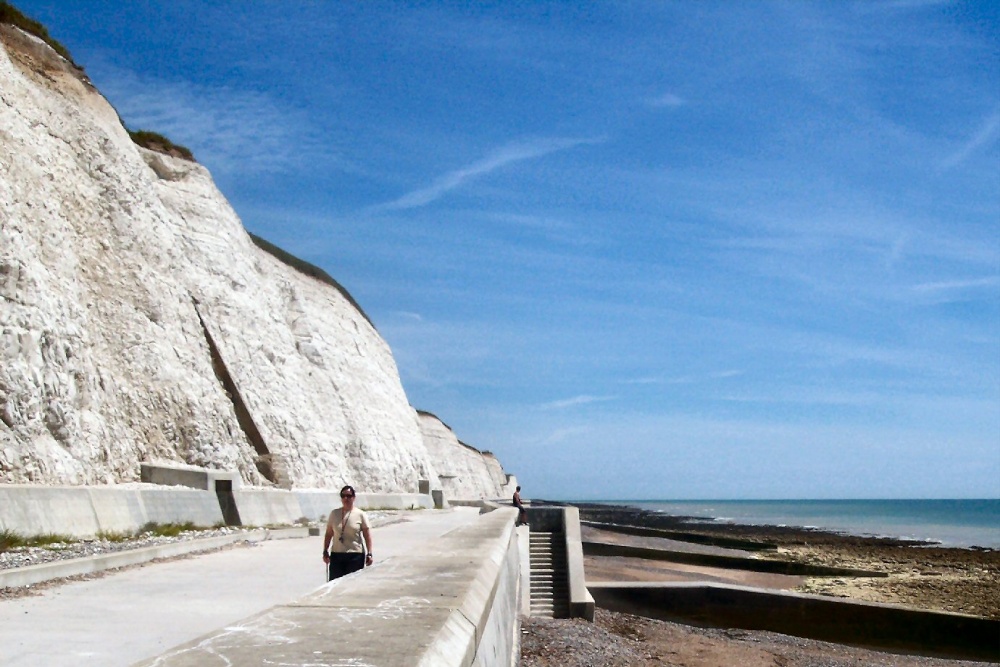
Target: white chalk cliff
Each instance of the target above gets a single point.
(140, 322)
(464, 471)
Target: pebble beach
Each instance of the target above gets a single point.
(927, 577)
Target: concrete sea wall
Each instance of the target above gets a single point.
(450, 603)
(869, 625)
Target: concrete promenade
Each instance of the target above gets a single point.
(124, 617)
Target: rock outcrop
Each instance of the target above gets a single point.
(139, 322)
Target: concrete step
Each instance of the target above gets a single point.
(548, 586)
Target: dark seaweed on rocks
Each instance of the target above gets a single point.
(626, 515)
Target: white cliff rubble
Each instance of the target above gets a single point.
(140, 323)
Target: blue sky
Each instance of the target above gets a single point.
(636, 249)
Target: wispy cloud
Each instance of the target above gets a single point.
(687, 379)
(987, 133)
(812, 397)
(725, 374)
(647, 380)
(228, 129)
(956, 285)
(576, 400)
(506, 155)
(667, 101)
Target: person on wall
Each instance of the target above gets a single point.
(343, 550)
(522, 514)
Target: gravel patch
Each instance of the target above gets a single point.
(623, 640)
(57, 551)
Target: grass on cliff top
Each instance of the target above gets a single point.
(11, 15)
(160, 144)
(310, 270)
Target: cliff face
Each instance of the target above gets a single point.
(139, 322)
(465, 472)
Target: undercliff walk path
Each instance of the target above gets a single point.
(122, 617)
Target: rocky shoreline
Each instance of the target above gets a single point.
(918, 575)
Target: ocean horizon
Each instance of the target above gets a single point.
(961, 523)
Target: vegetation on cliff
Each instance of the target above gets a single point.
(160, 144)
(11, 15)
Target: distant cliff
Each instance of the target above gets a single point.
(140, 322)
(465, 472)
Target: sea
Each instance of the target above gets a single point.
(952, 523)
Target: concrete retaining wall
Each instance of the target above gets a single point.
(315, 504)
(171, 505)
(879, 626)
(30, 510)
(450, 603)
(84, 511)
(268, 507)
(173, 474)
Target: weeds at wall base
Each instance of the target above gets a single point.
(12, 540)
